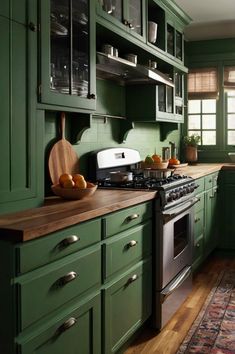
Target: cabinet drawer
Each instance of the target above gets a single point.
(198, 224)
(123, 220)
(35, 253)
(201, 185)
(74, 332)
(200, 204)
(127, 248)
(47, 288)
(211, 180)
(127, 305)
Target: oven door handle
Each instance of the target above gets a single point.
(177, 211)
(176, 283)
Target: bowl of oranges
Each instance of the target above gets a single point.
(73, 187)
(155, 162)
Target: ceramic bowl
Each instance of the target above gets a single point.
(231, 156)
(74, 193)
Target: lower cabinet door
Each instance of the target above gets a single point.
(77, 333)
(127, 304)
(211, 216)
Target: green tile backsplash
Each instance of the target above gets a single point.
(145, 137)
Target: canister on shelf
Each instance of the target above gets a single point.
(165, 153)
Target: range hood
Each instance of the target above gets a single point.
(126, 72)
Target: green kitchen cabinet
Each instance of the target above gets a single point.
(127, 304)
(206, 218)
(127, 248)
(67, 291)
(126, 16)
(174, 38)
(127, 273)
(41, 299)
(226, 210)
(74, 331)
(199, 224)
(126, 218)
(15, 10)
(152, 103)
(67, 47)
(21, 126)
(211, 214)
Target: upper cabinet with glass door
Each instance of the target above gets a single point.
(127, 15)
(68, 53)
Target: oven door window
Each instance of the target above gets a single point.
(181, 234)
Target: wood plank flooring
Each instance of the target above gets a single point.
(171, 336)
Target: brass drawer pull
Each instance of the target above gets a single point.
(66, 325)
(132, 217)
(67, 278)
(197, 219)
(133, 278)
(69, 240)
(132, 243)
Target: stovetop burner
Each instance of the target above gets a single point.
(140, 182)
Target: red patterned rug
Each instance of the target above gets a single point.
(213, 332)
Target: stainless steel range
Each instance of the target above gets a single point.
(118, 168)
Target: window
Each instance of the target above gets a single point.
(230, 116)
(202, 83)
(202, 94)
(229, 85)
(202, 120)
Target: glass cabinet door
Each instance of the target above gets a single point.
(66, 58)
(179, 45)
(134, 16)
(170, 40)
(127, 13)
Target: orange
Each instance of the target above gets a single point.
(64, 178)
(156, 158)
(68, 184)
(77, 177)
(80, 184)
(174, 161)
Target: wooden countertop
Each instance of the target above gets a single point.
(59, 213)
(203, 169)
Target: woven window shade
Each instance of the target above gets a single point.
(229, 76)
(202, 83)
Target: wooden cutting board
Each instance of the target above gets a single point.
(62, 157)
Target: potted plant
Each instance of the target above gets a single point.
(191, 142)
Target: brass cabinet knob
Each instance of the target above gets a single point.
(132, 243)
(67, 278)
(132, 217)
(69, 240)
(66, 325)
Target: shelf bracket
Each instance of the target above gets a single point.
(166, 128)
(125, 127)
(80, 122)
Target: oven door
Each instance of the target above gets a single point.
(174, 241)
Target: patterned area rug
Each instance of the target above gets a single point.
(214, 329)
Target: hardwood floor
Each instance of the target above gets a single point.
(170, 338)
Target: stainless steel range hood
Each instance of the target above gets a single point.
(126, 72)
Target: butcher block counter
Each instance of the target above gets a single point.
(58, 213)
(203, 169)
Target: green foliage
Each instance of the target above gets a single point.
(192, 140)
